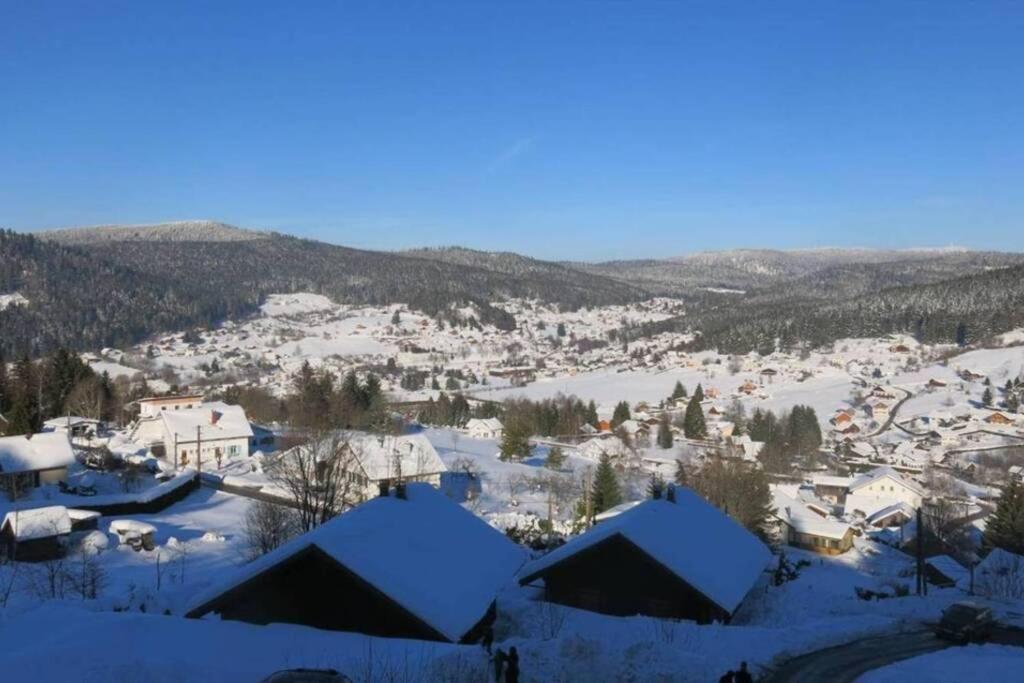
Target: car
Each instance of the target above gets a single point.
(307, 676)
(965, 622)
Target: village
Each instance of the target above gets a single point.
(592, 551)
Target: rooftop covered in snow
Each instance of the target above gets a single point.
(45, 451)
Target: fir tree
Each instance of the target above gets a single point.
(1005, 527)
(656, 487)
(698, 393)
(621, 414)
(560, 330)
(396, 318)
(679, 391)
(694, 426)
(515, 441)
(665, 432)
(606, 493)
(986, 397)
(682, 478)
(556, 458)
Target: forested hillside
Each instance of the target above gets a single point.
(114, 286)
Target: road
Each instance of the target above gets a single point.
(216, 483)
(892, 413)
(845, 663)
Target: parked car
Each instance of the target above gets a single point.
(965, 622)
(307, 676)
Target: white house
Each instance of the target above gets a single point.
(486, 428)
(217, 429)
(29, 461)
(880, 487)
(153, 406)
(593, 449)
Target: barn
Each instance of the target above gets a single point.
(678, 558)
(408, 564)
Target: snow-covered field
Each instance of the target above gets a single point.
(954, 665)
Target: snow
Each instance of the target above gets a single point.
(953, 665)
(123, 527)
(796, 514)
(413, 454)
(47, 450)
(426, 553)
(15, 299)
(231, 422)
(690, 537)
(36, 523)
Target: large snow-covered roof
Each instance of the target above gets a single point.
(796, 514)
(428, 554)
(691, 538)
(217, 420)
(48, 450)
(881, 473)
(38, 522)
(382, 456)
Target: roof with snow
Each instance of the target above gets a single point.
(802, 519)
(34, 523)
(690, 538)
(881, 473)
(387, 457)
(216, 420)
(48, 450)
(950, 568)
(488, 423)
(428, 554)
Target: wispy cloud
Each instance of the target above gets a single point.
(510, 154)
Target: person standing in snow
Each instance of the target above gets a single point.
(728, 677)
(499, 664)
(743, 676)
(512, 671)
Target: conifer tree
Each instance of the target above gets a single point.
(664, 432)
(1005, 527)
(556, 458)
(606, 493)
(698, 393)
(621, 414)
(682, 477)
(694, 426)
(986, 397)
(515, 440)
(679, 391)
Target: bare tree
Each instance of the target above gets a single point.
(321, 477)
(87, 574)
(268, 526)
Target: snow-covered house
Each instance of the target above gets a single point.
(388, 459)
(411, 564)
(594, 449)
(31, 460)
(216, 429)
(485, 428)
(72, 425)
(877, 410)
(678, 557)
(154, 405)
(885, 483)
(806, 528)
(831, 488)
(945, 572)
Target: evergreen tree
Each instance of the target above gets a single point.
(621, 414)
(515, 440)
(591, 415)
(664, 432)
(679, 391)
(4, 390)
(986, 397)
(606, 493)
(560, 330)
(556, 458)
(694, 426)
(1005, 527)
(396, 318)
(698, 393)
(25, 416)
(656, 487)
(1012, 403)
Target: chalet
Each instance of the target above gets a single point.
(385, 460)
(204, 435)
(841, 419)
(486, 428)
(410, 563)
(936, 383)
(604, 426)
(899, 348)
(153, 406)
(877, 410)
(35, 534)
(885, 483)
(594, 449)
(879, 391)
(73, 426)
(807, 528)
(831, 488)
(998, 418)
(678, 558)
(33, 460)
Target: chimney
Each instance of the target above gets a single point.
(400, 490)
(214, 417)
(385, 488)
(670, 495)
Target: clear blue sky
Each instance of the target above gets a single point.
(560, 129)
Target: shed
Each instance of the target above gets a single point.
(35, 534)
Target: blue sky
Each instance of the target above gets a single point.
(589, 130)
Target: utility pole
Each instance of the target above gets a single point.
(199, 450)
(175, 451)
(920, 553)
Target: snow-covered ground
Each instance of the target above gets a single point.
(954, 665)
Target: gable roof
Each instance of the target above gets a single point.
(691, 538)
(490, 423)
(797, 515)
(33, 523)
(378, 455)
(232, 422)
(437, 560)
(881, 473)
(48, 450)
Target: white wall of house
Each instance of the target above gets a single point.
(890, 488)
(186, 451)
